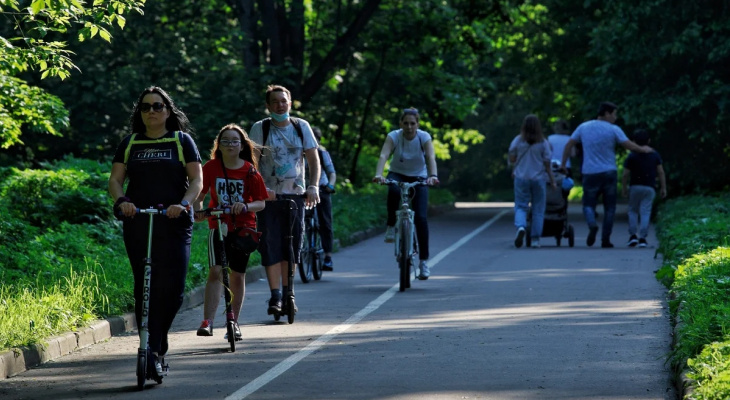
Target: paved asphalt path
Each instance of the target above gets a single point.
(493, 322)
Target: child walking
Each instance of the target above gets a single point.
(640, 172)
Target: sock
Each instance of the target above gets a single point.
(285, 289)
(276, 293)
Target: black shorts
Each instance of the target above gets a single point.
(237, 260)
(275, 228)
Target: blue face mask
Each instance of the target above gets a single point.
(280, 117)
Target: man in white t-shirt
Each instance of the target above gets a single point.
(282, 142)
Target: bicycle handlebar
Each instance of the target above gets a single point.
(405, 185)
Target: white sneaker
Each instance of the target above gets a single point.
(535, 243)
(425, 271)
(390, 234)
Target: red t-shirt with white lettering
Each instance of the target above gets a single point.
(244, 185)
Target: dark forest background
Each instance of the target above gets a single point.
(473, 68)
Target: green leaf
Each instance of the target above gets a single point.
(105, 35)
(37, 6)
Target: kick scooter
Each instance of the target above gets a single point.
(230, 321)
(144, 355)
(288, 306)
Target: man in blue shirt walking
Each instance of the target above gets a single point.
(599, 138)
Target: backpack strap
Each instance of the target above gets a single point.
(175, 138)
(266, 125)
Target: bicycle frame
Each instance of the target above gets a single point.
(406, 245)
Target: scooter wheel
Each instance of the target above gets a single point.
(230, 329)
(291, 311)
(141, 371)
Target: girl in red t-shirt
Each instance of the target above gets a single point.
(240, 187)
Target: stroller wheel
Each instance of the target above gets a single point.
(571, 236)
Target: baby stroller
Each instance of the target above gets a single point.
(556, 209)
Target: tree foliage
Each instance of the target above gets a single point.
(473, 69)
(32, 40)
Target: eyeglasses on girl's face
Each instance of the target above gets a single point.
(156, 106)
(231, 143)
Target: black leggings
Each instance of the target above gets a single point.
(170, 256)
(324, 215)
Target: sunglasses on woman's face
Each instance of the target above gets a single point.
(156, 106)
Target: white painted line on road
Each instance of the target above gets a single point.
(292, 360)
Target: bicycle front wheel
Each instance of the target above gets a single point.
(308, 259)
(404, 266)
(317, 257)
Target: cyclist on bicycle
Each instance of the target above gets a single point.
(413, 160)
(282, 167)
(241, 188)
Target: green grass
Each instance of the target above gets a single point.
(59, 272)
(30, 315)
(693, 234)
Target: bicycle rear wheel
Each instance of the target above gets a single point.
(404, 258)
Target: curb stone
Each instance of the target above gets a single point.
(18, 360)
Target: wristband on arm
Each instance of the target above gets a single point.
(123, 199)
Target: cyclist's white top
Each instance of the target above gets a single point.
(409, 156)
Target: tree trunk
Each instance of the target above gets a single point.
(272, 38)
(338, 51)
(296, 41)
(365, 115)
(247, 20)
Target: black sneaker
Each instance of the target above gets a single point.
(606, 245)
(519, 237)
(642, 242)
(274, 306)
(591, 236)
(633, 241)
(327, 264)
